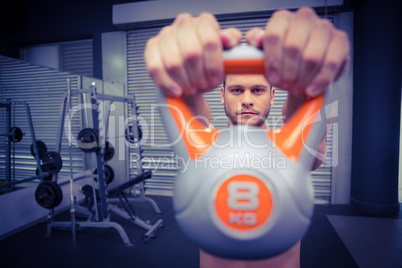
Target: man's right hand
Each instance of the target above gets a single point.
(185, 58)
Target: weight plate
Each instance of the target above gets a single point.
(59, 193)
(52, 162)
(47, 178)
(109, 151)
(109, 174)
(48, 194)
(16, 134)
(129, 133)
(41, 147)
(88, 140)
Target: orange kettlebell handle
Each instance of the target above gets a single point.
(289, 139)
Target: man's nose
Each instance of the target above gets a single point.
(247, 100)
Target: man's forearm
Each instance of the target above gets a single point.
(199, 107)
(291, 105)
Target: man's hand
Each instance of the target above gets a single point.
(303, 53)
(185, 58)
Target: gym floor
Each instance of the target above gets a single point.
(338, 237)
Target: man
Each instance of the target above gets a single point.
(247, 100)
(303, 54)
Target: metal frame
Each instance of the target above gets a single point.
(105, 203)
(11, 182)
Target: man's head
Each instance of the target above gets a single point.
(247, 99)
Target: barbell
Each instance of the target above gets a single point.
(240, 207)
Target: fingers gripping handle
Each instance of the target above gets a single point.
(191, 138)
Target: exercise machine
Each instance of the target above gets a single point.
(99, 199)
(13, 134)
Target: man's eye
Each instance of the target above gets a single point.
(258, 90)
(236, 90)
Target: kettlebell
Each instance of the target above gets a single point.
(247, 192)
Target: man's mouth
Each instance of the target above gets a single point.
(247, 113)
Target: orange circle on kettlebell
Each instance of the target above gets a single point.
(243, 203)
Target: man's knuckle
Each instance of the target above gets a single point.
(325, 24)
(192, 56)
(173, 67)
(167, 30)
(312, 62)
(206, 16)
(214, 71)
(150, 41)
(155, 74)
(272, 38)
(293, 51)
(211, 43)
(332, 65)
(306, 12)
(324, 81)
(280, 13)
(182, 19)
(208, 21)
(305, 16)
(342, 36)
(153, 69)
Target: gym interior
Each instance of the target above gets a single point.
(87, 169)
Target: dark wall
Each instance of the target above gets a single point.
(376, 105)
(26, 22)
(12, 20)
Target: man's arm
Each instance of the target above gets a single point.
(303, 53)
(199, 107)
(185, 58)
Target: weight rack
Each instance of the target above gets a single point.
(105, 203)
(14, 134)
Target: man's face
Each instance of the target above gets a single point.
(247, 99)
